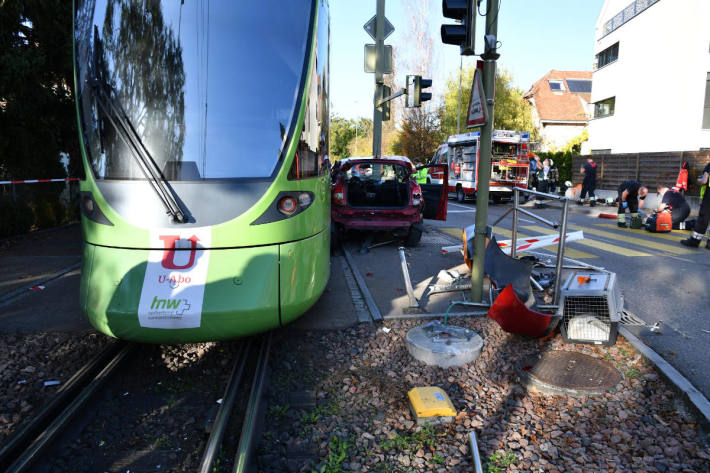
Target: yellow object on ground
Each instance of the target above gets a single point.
(431, 404)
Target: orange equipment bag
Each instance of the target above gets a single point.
(659, 222)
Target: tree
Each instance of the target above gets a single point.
(512, 112)
(420, 134)
(37, 114)
(342, 131)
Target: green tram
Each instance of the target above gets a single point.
(206, 197)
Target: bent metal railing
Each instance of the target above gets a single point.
(562, 225)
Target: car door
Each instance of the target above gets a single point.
(435, 196)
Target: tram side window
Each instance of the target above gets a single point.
(310, 159)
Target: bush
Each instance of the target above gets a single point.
(16, 218)
(45, 215)
(563, 161)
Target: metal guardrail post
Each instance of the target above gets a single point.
(514, 237)
(561, 250)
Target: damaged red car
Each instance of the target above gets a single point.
(381, 194)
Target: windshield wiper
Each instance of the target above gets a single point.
(130, 137)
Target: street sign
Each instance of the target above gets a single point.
(371, 27)
(371, 58)
(477, 105)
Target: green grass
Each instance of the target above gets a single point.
(278, 411)
(337, 455)
(633, 373)
(500, 461)
(311, 418)
(425, 438)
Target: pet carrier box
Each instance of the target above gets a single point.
(590, 308)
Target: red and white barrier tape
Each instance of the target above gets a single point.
(34, 181)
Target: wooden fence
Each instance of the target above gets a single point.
(651, 169)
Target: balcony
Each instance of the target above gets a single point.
(626, 15)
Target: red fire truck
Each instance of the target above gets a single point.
(510, 163)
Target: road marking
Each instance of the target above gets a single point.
(457, 232)
(619, 250)
(675, 235)
(570, 252)
(676, 250)
(459, 205)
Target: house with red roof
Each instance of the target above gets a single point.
(561, 106)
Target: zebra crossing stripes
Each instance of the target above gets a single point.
(647, 242)
(597, 244)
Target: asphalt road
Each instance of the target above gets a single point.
(661, 280)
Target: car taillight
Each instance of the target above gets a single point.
(339, 194)
(287, 205)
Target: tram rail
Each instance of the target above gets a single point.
(27, 445)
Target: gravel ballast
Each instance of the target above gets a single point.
(356, 415)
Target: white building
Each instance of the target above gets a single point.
(651, 84)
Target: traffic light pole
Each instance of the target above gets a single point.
(379, 79)
(484, 163)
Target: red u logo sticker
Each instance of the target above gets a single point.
(168, 261)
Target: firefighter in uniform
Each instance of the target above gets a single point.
(704, 217)
(589, 183)
(673, 200)
(630, 193)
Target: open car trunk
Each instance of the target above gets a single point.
(377, 185)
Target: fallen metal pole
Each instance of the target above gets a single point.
(413, 302)
(475, 455)
(561, 251)
(434, 316)
(536, 284)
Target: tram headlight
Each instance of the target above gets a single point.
(90, 209)
(304, 199)
(287, 205)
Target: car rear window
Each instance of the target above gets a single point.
(377, 172)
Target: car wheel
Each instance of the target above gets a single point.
(413, 237)
(460, 196)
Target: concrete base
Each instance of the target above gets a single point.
(444, 345)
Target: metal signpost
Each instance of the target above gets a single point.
(463, 35)
(381, 27)
(378, 59)
(484, 166)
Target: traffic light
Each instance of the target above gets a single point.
(385, 91)
(463, 35)
(415, 96)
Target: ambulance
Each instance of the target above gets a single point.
(510, 163)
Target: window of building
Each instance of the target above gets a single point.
(579, 86)
(706, 112)
(604, 108)
(609, 55)
(556, 86)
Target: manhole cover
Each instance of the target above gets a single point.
(566, 372)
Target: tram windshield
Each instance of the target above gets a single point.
(211, 88)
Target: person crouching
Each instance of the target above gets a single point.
(631, 197)
(674, 201)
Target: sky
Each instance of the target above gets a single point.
(535, 35)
